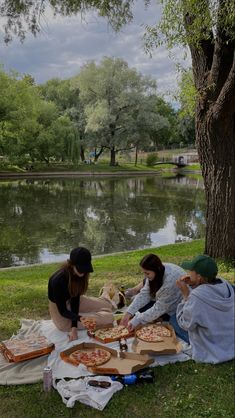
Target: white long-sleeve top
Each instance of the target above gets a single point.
(167, 297)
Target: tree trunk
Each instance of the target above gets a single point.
(215, 139)
(112, 157)
(136, 155)
(98, 154)
(82, 154)
(213, 63)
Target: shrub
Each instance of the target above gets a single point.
(151, 159)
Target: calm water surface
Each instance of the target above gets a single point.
(42, 220)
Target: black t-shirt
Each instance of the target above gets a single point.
(58, 293)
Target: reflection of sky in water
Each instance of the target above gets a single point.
(167, 235)
(46, 256)
(41, 222)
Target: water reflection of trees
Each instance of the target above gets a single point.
(107, 215)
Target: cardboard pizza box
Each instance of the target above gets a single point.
(20, 349)
(169, 345)
(119, 363)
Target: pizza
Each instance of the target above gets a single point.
(90, 358)
(88, 322)
(153, 333)
(113, 333)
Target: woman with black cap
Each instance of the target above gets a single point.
(69, 308)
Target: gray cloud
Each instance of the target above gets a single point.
(65, 44)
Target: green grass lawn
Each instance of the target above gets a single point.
(180, 390)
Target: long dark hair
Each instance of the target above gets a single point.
(153, 263)
(77, 285)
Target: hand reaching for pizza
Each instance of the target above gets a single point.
(126, 319)
(130, 327)
(88, 322)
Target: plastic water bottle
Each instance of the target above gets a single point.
(146, 376)
(129, 379)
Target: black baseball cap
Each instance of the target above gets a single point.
(80, 257)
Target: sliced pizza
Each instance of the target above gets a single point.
(90, 358)
(153, 333)
(111, 334)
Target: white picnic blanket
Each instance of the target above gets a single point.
(30, 371)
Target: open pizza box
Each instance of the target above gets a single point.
(119, 363)
(169, 345)
(20, 349)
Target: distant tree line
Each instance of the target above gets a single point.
(106, 107)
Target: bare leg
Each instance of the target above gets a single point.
(98, 308)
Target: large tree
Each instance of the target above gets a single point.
(116, 99)
(208, 28)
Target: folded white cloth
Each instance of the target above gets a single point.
(79, 390)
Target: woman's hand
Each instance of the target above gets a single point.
(183, 286)
(124, 321)
(130, 327)
(73, 334)
(88, 322)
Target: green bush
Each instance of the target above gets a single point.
(151, 159)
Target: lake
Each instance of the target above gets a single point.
(41, 220)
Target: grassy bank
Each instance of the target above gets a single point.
(180, 390)
(97, 168)
(125, 162)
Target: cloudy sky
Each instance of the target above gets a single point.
(65, 44)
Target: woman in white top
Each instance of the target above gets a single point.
(160, 284)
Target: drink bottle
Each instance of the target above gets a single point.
(146, 376)
(47, 379)
(129, 379)
(123, 345)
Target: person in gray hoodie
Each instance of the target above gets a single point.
(207, 311)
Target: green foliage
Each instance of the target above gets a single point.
(119, 105)
(151, 159)
(187, 94)
(32, 128)
(189, 22)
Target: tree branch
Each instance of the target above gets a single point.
(202, 53)
(223, 53)
(226, 96)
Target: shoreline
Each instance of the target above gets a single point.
(75, 174)
(100, 256)
(55, 174)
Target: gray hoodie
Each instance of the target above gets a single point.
(208, 316)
